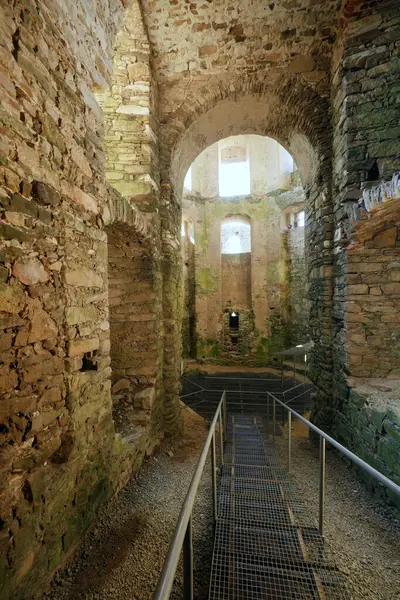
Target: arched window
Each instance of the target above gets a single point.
(234, 172)
(235, 236)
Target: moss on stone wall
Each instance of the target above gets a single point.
(208, 349)
(269, 331)
(207, 281)
(370, 430)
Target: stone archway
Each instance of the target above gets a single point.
(298, 118)
(134, 315)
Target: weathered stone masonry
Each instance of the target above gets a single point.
(366, 152)
(57, 359)
(262, 285)
(320, 77)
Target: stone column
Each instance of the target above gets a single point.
(171, 218)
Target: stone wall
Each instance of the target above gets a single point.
(61, 456)
(294, 283)
(365, 154)
(367, 415)
(189, 291)
(366, 114)
(236, 281)
(237, 345)
(255, 284)
(369, 423)
(237, 71)
(130, 106)
(373, 292)
(134, 316)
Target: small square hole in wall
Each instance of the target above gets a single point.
(89, 361)
(234, 340)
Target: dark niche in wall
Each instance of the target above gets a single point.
(234, 327)
(234, 320)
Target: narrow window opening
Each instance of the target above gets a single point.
(234, 340)
(191, 233)
(372, 173)
(187, 184)
(234, 320)
(235, 237)
(89, 361)
(234, 172)
(301, 219)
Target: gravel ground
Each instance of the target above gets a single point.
(122, 556)
(361, 532)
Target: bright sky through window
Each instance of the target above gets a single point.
(187, 184)
(234, 179)
(235, 237)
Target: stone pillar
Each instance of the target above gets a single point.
(319, 261)
(171, 216)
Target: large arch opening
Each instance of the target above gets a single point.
(297, 118)
(249, 253)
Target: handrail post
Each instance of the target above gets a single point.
(321, 484)
(214, 477)
(221, 440)
(182, 541)
(268, 413)
(273, 417)
(225, 413)
(188, 562)
(289, 441)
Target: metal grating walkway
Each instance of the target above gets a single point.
(265, 546)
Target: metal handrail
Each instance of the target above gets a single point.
(323, 438)
(260, 379)
(302, 384)
(192, 382)
(191, 394)
(183, 530)
(295, 397)
(263, 392)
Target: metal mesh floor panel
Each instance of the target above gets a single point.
(266, 545)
